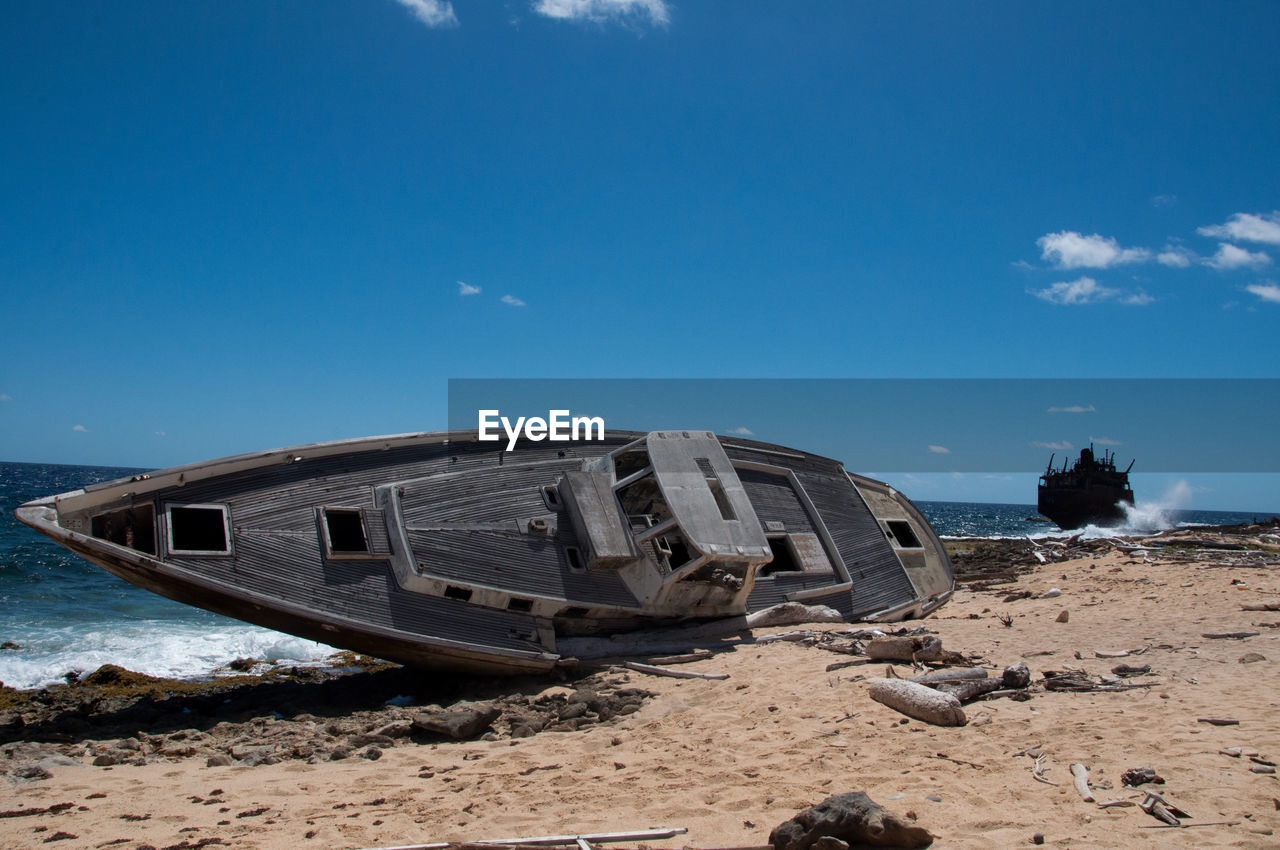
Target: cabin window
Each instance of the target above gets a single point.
(717, 489)
(642, 503)
(575, 559)
(520, 605)
(199, 530)
(629, 462)
(784, 557)
(676, 549)
(900, 530)
(132, 527)
(462, 594)
(344, 531)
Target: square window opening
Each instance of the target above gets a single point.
(784, 556)
(903, 534)
(462, 594)
(200, 529)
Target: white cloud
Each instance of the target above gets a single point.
(742, 431)
(5, 397)
(1175, 257)
(80, 429)
(1232, 257)
(512, 301)
(1265, 291)
(434, 13)
(940, 450)
(599, 11)
(161, 434)
(467, 289)
(1074, 408)
(1164, 200)
(1247, 227)
(1105, 441)
(1071, 250)
(1060, 446)
(1086, 290)
(1082, 291)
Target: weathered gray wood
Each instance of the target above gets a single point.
(918, 701)
(1080, 775)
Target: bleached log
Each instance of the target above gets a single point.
(918, 701)
(1080, 774)
(968, 689)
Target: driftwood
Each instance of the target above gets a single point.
(950, 675)
(1229, 635)
(1160, 808)
(918, 701)
(912, 649)
(1080, 774)
(853, 818)
(1218, 721)
(674, 674)
(550, 840)
(968, 689)
(1267, 605)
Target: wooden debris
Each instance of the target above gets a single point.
(551, 840)
(1037, 770)
(1161, 809)
(1229, 635)
(1218, 721)
(918, 701)
(853, 818)
(1080, 774)
(923, 648)
(674, 674)
(1267, 605)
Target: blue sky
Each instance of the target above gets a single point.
(230, 226)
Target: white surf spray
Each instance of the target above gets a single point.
(1146, 517)
(155, 648)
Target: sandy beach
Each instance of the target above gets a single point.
(730, 759)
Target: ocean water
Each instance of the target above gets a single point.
(67, 615)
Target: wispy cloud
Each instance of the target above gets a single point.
(1069, 249)
(512, 301)
(742, 431)
(436, 14)
(1175, 257)
(1105, 441)
(1074, 408)
(80, 429)
(467, 289)
(1060, 446)
(1265, 291)
(1164, 200)
(1086, 290)
(939, 450)
(161, 434)
(600, 11)
(5, 397)
(1247, 227)
(1231, 257)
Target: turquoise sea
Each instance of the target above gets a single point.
(67, 615)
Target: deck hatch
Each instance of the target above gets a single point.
(198, 529)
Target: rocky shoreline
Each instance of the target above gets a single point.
(114, 716)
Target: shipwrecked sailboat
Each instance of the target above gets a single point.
(1091, 492)
(440, 550)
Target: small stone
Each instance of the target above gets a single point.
(372, 754)
(1064, 616)
(1252, 658)
(934, 797)
(340, 752)
(1038, 838)
(219, 760)
(829, 843)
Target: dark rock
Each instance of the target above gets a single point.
(853, 818)
(372, 754)
(33, 772)
(219, 760)
(340, 753)
(110, 758)
(458, 723)
(1016, 676)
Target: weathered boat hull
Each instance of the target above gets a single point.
(1076, 508)
(439, 551)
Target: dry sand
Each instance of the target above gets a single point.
(731, 759)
